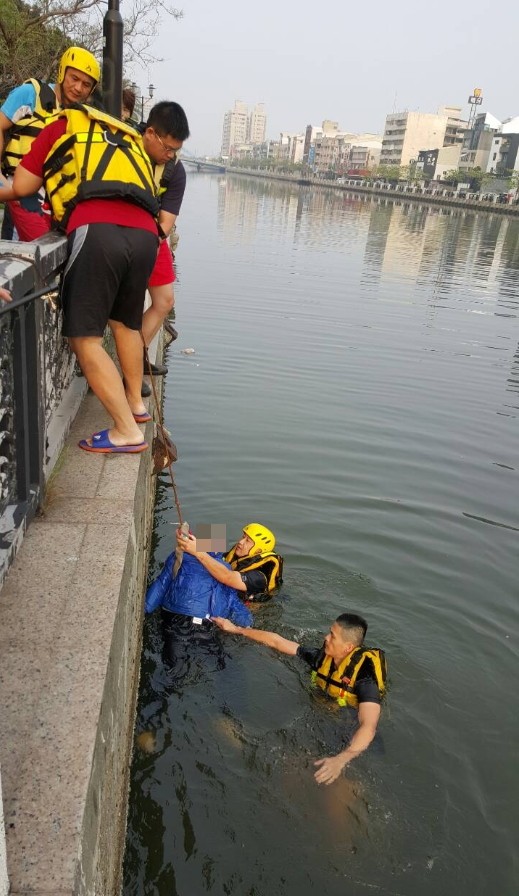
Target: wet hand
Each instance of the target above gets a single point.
(5, 295)
(186, 543)
(329, 769)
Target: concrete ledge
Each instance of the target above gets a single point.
(70, 640)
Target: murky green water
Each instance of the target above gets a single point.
(355, 386)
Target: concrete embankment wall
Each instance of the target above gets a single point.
(399, 194)
(70, 642)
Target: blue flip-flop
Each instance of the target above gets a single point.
(142, 418)
(101, 444)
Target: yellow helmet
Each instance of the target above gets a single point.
(77, 57)
(264, 540)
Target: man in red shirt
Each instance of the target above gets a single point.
(112, 251)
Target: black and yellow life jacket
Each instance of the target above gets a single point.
(98, 157)
(270, 564)
(339, 683)
(162, 175)
(26, 129)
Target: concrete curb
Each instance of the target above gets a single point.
(70, 642)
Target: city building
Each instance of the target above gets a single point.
(482, 143)
(234, 127)
(407, 133)
(504, 156)
(241, 129)
(328, 149)
(257, 125)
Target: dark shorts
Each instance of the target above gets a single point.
(107, 272)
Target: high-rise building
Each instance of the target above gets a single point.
(240, 128)
(257, 124)
(235, 126)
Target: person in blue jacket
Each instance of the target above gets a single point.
(187, 598)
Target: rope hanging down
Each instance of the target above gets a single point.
(163, 448)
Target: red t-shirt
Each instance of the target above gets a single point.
(91, 211)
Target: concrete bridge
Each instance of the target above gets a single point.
(203, 164)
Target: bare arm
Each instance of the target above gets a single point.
(166, 222)
(269, 639)
(5, 124)
(25, 183)
(218, 571)
(330, 768)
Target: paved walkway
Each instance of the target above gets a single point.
(57, 615)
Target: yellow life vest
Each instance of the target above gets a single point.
(162, 175)
(339, 683)
(26, 129)
(270, 564)
(98, 157)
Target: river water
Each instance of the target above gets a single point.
(355, 386)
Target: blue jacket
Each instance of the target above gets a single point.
(194, 592)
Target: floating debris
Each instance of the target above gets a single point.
(146, 741)
(187, 351)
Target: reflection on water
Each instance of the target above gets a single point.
(355, 386)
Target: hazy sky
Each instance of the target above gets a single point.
(331, 59)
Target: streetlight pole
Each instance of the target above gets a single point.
(139, 92)
(113, 59)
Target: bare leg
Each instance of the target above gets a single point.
(103, 378)
(129, 351)
(162, 302)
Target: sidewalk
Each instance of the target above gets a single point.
(70, 639)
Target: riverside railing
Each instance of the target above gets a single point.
(35, 368)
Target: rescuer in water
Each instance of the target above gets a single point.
(204, 584)
(254, 569)
(346, 670)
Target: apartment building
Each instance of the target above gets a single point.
(257, 125)
(482, 142)
(235, 125)
(240, 128)
(290, 147)
(407, 133)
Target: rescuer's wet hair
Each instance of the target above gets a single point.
(354, 627)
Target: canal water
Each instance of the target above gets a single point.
(355, 386)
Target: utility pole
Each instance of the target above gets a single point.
(113, 59)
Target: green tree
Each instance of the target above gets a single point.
(33, 35)
(392, 173)
(471, 176)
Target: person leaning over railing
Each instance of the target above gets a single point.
(102, 192)
(170, 179)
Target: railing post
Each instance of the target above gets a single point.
(28, 404)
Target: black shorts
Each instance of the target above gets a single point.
(107, 272)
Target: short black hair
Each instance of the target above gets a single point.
(169, 120)
(354, 626)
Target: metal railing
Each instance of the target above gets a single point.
(29, 271)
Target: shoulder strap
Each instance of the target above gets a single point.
(44, 93)
(48, 98)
